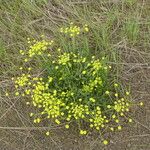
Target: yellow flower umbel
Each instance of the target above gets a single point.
(74, 30)
(121, 105)
(98, 121)
(63, 59)
(79, 111)
(39, 47)
(22, 80)
(36, 48)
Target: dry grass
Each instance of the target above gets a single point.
(120, 28)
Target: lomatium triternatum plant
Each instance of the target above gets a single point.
(72, 88)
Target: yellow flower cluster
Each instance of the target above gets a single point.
(74, 30)
(47, 100)
(36, 48)
(22, 80)
(98, 121)
(96, 64)
(39, 47)
(63, 59)
(121, 105)
(79, 111)
(92, 84)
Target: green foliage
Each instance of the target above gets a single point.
(2, 50)
(131, 28)
(130, 2)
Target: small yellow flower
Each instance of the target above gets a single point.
(16, 86)
(84, 59)
(27, 103)
(108, 106)
(105, 142)
(62, 113)
(25, 59)
(86, 29)
(50, 79)
(116, 94)
(80, 100)
(67, 126)
(68, 119)
(67, 107)
(92, 100)
(103, 125)
(21, 51)
(107, 92)
(29, 83)
(97, 128)
(61, 30)
(84, 72)
(6, 94)
(116, 85)
(23, 94)
(113, 116)
(29, 68)
(31, 114)
(141, 104)
(130, 120)
(117, 121)
(81, 132)
(121, 114)
(85, 132)
(38, 120)
(57, 121)
(111, 128)
(42, 35)
(119, 127)
(17, 93)
(47, 133)
(91, 125)
(59, 49)
(127, 93)
(127, 109)
(56, 67)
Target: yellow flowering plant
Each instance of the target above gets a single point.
(74, 87)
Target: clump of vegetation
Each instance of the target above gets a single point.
(73, 87)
